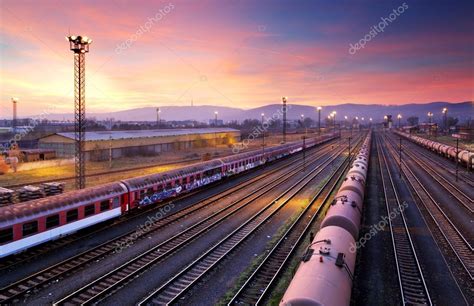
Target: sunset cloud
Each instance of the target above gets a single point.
(241, 54)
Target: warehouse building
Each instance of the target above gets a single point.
(138, 142)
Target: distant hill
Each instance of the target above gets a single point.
(463, 110)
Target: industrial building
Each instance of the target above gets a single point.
(99, 145)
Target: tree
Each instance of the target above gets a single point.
(308, 122)
(452, 121)
(412, 120)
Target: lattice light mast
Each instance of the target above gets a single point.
(80, 46)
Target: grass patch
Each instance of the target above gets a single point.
(256, 261)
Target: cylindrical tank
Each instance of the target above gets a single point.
(346, 208)
(326, 278)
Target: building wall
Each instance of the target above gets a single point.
(100, 150)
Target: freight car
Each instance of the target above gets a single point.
(325, 275)
(464, 156)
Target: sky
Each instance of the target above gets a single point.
(236, 53)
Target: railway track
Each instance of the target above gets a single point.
(456, 240)
(463, 198)
(412, 284)
(257, 286)
(106, 284)
(447, 163)
(70, 178)
(177, 286)
(15, 290)
(12, 261)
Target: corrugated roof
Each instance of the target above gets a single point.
(106, 135)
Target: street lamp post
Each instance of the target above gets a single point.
(399, 116)
(284, 100)
(445, 119)
(430, 116)
(319, 120)
(158, 119)
(14, 119)
(304, 125)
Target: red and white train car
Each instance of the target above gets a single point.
(27, 224)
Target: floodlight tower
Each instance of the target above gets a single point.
(80, 46)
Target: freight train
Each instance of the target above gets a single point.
(27, 224)
(464, 156)
(325, 274)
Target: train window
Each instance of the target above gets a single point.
(52, 221)
(30, 228)
(6, 235)
(89, 210)
(116, 202)
(104, 205)
(72, 215)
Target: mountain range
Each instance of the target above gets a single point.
(204, 113)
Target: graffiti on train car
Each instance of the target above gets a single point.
(158, 196)
(203, 181)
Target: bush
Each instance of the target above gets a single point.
(3, 166)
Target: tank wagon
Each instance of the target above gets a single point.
(464, 156)
(324, 277)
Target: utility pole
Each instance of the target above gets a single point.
(80, 46)
(110, 151)
(263, 137)
(349, 148)
(457, 152)
(400, 161)
(319, 120)
(284, 100)
(304, 153)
